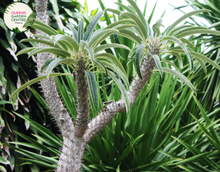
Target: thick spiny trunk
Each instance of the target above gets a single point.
(72, 154)
(74, 144)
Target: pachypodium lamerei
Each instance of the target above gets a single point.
(83, 51)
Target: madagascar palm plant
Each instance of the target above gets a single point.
(83, 52)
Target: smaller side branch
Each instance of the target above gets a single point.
(109, 112)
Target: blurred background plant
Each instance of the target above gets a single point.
(15, 71)
(207, 83)
(166, 130)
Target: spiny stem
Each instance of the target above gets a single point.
(83, 103)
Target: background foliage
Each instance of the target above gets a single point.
(15, 71)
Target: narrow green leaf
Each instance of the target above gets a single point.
(45, 27)
(106, 16)
(135, 141)
(40, 163)
(38, 41)
(48, 141)
(41, 36)
(99, 37)
(138, 60)
(185, 27)
(206, 59)
(58, 61)
(130, 137)
(186, 41)
(83, 45)
(91, 55)
(119, 22)
(38, 97)
(197, 31)
(125, 26)
(118, 12)
(191, 169)
(121, 88)
(55, 6)
(139, 23)
(86, 6)
(202, 65)
(212, 135)
(97, 63)
(157, 30)
(94, 12)
(107, 146)
(152, 13)
(116, 70)
(80, 30)
(93, 88)
(195, 55)
(34, 81)
(25, 50)
(128, 8)
(2, 102)
(171, 63)
(130, 35)
(157, 164)
(46, 64)
(30, 20)
(180, 76)
(4, 161)
(107, 46)
(33, 144)
(183, 18)
(124, 154)
(179, 59)
(145, 9)
(114, 59)
(74, 31)
(70, 42)
(135, 159)
(142, 18)
(92, 25)
(2, 169)
(56, 51)
(67, 95)
(157, 61)
(46, 133)
(183, 46)
(194, 158)
(208, 121)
